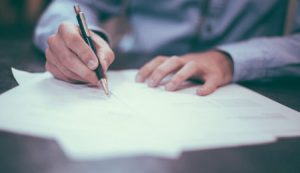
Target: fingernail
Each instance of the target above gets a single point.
(200, 91)
(170, 86)
(92, 64)
(138, 78)
(151, 83)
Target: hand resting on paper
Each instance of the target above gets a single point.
(214, 68)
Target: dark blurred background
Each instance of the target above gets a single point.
(18, 17)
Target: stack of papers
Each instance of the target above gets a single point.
(137, 120)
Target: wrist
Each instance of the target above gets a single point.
(226, 64)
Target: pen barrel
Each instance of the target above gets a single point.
(88, 40)
(86, 35)
(99, 70)
(83, 25)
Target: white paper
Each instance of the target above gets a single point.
(22, 76)
(140, 120)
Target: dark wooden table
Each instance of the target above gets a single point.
(21, 153)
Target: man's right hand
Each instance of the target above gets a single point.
(70, 59)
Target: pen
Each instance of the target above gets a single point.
(87, 38)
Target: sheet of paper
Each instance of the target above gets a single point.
(22, 76)
(140, 120)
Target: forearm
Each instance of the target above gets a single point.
(265, 57)
(62, 10)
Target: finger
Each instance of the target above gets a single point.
(169, 66)
(53, 60)
(147, 69)
(71, 61)
(100, 42)
(104, 52)
(187, 71)
(73, 40)
(106, 58)
(56, 72)
(209, 86)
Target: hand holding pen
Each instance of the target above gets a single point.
(70, 58)
(86, 35)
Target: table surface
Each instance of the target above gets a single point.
(21, 153)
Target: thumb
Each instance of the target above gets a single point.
(210, 85)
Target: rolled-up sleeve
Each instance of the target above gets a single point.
(265, 57)
(60, 11)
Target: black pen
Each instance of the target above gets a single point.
(87, 38)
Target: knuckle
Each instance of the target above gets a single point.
(70, 39)
(63, 27)
(193, 65)
(66, 60)
(175, 59)
(159, 72)
(160, 58)
(51, 40)
(85, 54)
(145, 69)
(68, 74)
(178, 78)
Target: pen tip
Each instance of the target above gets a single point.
(105, 86)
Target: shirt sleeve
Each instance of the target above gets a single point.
(265, 57)
(62, 10)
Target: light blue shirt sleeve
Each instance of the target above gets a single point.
(62, 10)
(265, 57)
(183, 26)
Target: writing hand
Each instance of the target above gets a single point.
(70, 59)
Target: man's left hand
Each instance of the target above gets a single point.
(214, 68)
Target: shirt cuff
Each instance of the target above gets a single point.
(248, 63)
